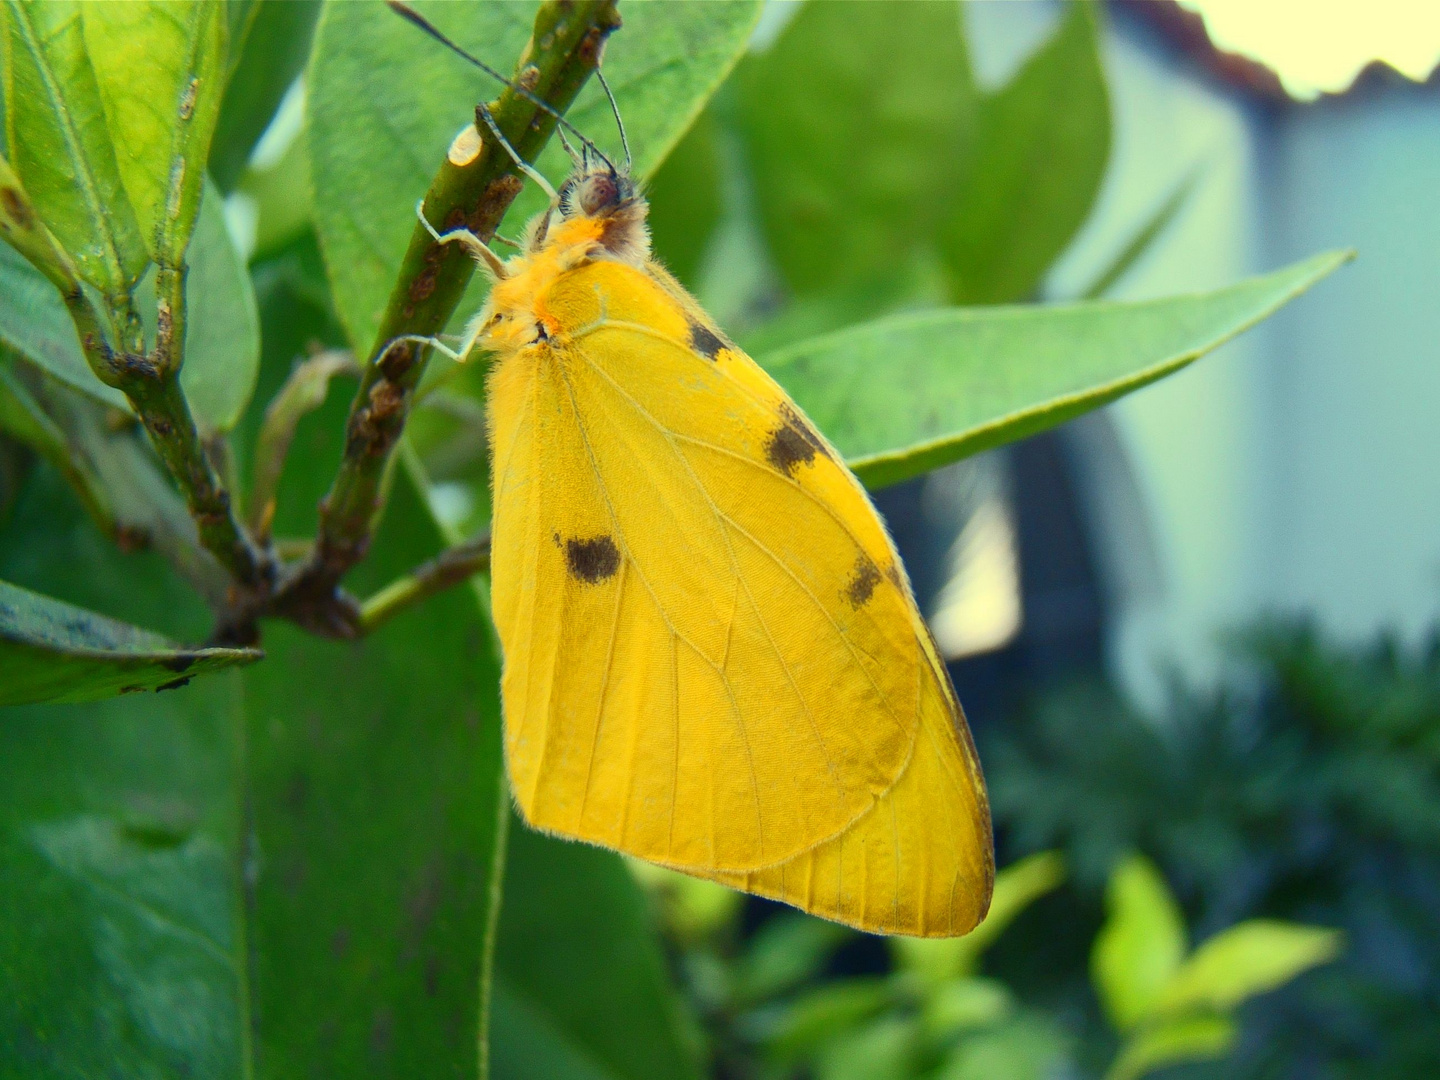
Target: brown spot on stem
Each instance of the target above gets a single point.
(793, 443)
(15, 208)
(592, 561)
(862, 582)
(705, 341)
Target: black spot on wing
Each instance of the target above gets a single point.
(793, 443)
(861, 585)
(592, 561)
(706, 342)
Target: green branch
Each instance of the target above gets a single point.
(449, 568)
(473, 189)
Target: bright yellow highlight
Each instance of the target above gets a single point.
(1319, 46)
(713, 659)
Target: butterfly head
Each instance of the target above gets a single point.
(604, 204)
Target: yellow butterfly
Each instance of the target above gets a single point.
(713, 659)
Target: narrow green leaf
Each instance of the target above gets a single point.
(265, 62)
(1174, 1042)
(384, 103)
(119, 840)
(910, 393)
(60, 145)
(1041, 146)
(1145, 235)
(1251, 958)
(222, 335)
(54, 651)
(1019, 885)
(578, 948)
(160, 124)
(857, 123)
(1140, 947)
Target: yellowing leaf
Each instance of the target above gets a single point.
(1016, 888)
(160, 69)
(1192, 1038)
(1141, 944)
(1246, 960)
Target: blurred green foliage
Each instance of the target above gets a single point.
(1307, 789)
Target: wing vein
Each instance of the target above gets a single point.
(660, 609)
(728, 520)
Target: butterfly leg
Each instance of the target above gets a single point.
(525, 167)
(466, 239)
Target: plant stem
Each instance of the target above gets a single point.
(472, 192)
(451, 567)
(152, 385)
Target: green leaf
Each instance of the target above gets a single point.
(119, 840)
(815, 1018)
(1141, 945)
(910, 393)
(265, 64)
(110, 467)
(685, 202)
(581, 969)
(787, 950)
(54, 651)
(1173, 1042)
(376, 794)
(22, 229)
(885, 1049)
(222, 335)
(34, 322)
(1252, 958)
(60, 145)
(160, 124)
(385, 102)
(964, 1004)
(375, 786)
(1026, 1047)
(857, 124)
(1041, 146)
(1019, 885)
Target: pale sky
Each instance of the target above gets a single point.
(1318, 46)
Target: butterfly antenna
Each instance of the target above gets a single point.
(408, 13)
(615, 108)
